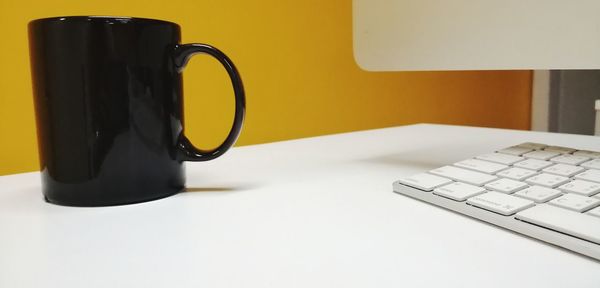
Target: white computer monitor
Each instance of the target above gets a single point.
(398, 35)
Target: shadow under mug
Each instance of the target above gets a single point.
(109, 108)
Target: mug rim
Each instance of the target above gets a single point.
(113, 19)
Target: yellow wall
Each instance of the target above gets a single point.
(297, 64)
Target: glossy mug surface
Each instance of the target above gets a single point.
(109, 110)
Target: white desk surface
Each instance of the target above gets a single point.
(316, 212)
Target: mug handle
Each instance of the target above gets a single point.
(185, 149)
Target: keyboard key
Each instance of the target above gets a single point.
(589, 175)
(425, 181)
(563, 170)
(516, 173)
(463, 175)
(576, 224)
(505, 185)
(569, 159)
(575, 202)
(515, 150)
(581, 187)
(500, 158)
(458, 191)
(481, 166)
(500, 203)
(589, 154)
(594, 212)
(592, 164)
(541, 154)
(547, 180)
(559, 149)
(534, 146)
(533, 164)
(538, 194)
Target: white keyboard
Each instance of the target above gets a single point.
(546, 192)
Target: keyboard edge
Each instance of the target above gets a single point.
(509, 223)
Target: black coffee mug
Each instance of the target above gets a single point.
(109, 109)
